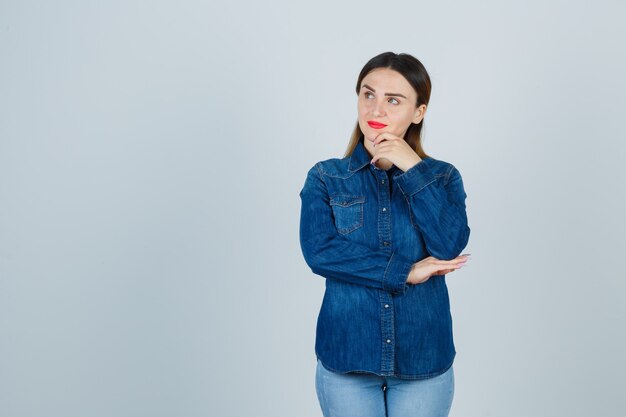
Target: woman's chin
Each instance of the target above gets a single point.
(369, 135)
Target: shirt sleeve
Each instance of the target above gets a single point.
(332, 255)
(438, 208)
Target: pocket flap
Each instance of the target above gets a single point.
(346, 200)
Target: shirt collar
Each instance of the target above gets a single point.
(359, 158)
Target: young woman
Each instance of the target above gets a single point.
(383, 225)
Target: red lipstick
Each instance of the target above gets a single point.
(375, 125)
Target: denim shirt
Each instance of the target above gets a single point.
(362, 228)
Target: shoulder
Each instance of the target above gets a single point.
(442, 168)
(317, 176)
(437, 166)
(333, 167)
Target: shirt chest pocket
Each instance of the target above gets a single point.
(348, 212)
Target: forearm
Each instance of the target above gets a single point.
(437, 209)
(335, 257)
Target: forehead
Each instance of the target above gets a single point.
(385, 80)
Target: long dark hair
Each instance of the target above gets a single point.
(415, 73)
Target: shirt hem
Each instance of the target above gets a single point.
(391, 375)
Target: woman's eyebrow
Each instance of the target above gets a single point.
(387, 94)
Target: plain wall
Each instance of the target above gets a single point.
(151, 156)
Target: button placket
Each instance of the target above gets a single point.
(387, 336)
(384, 201)
(387, 333)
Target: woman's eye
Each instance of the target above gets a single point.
(368, 94)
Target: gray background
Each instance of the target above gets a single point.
(151, 156)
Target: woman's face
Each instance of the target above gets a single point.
(388, 98)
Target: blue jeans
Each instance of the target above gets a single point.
(368, 395)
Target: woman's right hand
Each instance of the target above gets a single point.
(427, 267)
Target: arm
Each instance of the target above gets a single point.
(332, 255)
(438, 210)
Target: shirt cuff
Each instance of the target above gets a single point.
(396, 274)
(416, 177)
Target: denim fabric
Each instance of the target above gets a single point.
(362, 228)
(364, 395)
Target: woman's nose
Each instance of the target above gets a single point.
(377, 111)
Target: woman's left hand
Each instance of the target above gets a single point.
(396, 150)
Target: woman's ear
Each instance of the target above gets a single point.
(420, 112)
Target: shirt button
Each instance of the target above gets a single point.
(386, 243)
(386, 305)
(388, 341)
(384, 208)
(383, 181)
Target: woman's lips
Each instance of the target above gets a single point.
(376, 125)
